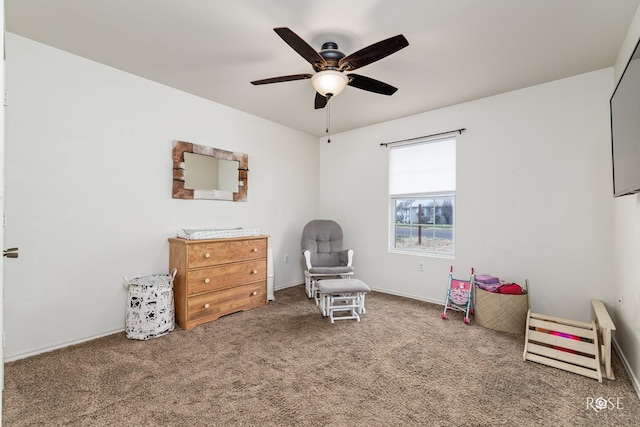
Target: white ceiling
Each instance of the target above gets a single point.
(459, 50)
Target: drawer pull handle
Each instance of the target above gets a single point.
(206, 306)
(207, 280)
(254, 272)
(255, 249)
(254, 293)
(207, 255)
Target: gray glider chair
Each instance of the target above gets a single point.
(323, 254)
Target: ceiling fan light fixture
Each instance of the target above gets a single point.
(329, 82)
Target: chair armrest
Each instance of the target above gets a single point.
(307, 259)
(346, 256)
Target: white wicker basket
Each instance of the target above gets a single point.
(501, 312)
(150, 308)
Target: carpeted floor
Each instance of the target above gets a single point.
(285, 364)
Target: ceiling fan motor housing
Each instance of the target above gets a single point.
(331, 54)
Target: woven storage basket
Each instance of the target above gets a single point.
(150, 308)
(501, 312)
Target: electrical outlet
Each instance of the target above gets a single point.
(286, 258)
(420, 265)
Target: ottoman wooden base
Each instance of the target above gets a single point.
(342, 296)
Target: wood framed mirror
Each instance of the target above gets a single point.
(202, 172)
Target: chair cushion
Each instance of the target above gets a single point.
(342, 269)
(336, 286)
(323, 239)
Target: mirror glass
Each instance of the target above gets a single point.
(202, 172)
(208, 173)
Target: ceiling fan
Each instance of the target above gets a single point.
(331, 66)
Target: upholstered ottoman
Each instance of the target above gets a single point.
(342, 295)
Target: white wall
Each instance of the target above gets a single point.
(88, 190)
(533, 195)
(626, 250)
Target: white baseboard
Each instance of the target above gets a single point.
(625, 363)
(35, 352)
(382, 291)
(401, 294)
(291, 285)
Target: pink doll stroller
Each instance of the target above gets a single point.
(459, 296)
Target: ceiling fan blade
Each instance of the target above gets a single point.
(373, 53)
(371, 85)
(320, 101)
(282, 79)
(302, 47)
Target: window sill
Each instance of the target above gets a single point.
(423, 254)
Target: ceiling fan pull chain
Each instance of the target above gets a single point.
(328, 121)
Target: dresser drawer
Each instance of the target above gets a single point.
(226, 301)
(225, 276)
(224, 252)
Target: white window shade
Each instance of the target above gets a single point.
(427, 167)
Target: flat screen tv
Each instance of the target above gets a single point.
(625, 129)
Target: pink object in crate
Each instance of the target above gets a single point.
(511, 288)
(487, 282)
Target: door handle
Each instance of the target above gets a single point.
(10, 253)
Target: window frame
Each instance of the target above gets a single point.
(428, 195)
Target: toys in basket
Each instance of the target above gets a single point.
(487, 282)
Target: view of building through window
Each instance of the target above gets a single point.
(425, 224)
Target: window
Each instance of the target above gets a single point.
(422, 184)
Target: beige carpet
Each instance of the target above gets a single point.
(285, 364)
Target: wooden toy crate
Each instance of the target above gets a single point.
(564, 344)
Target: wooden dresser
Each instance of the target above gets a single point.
(217, 277)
